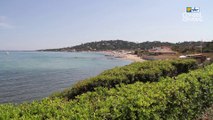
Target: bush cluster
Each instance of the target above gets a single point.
(180, 98)
(149, 71)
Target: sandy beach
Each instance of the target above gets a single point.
(134, 58)
(123, 55)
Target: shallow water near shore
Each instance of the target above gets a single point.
(27, 76)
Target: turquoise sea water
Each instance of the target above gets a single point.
(27, 76)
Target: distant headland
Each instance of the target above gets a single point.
(105, 45)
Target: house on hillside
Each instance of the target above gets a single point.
(161, 50)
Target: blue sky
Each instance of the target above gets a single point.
(40, 24)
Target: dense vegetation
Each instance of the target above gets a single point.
(100, 46)
(112, 45)
(179, 98)
(207, 114)
(183, 47)
(208, 47)
(149, 71)
(194, 47)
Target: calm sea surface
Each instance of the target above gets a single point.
(27, 76)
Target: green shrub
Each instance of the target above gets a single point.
(149, 71)
(180, 98)
(184, 66)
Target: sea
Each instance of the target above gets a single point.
(28, 76)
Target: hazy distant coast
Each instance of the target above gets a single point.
(117, 45)
(139, 51)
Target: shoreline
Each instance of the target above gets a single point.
(127, 55)
(123, 55)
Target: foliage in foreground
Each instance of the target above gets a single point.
(179, 98)
(149, 71)
(207, 115)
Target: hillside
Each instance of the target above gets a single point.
(182, 47)
(188, 47)
(112, 45)
(107, 45)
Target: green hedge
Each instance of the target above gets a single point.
(149, 71)
(179, 98)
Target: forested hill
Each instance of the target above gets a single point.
(112, 45)
(125, 45)
(107, 45)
